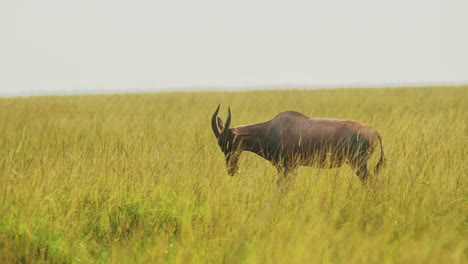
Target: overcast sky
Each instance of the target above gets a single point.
(104, 46)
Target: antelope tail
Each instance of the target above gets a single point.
(382, 156)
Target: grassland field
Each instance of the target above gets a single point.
(139, 178)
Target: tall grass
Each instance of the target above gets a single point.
(140, 178)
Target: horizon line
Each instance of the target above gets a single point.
(227, 88)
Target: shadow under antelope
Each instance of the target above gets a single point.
(291, 139)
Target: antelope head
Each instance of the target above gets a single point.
(226, 140)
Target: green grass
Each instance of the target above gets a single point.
(140, 178)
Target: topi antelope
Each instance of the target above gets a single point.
(292, 139)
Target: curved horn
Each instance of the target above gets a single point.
(228, 121)
(213, 122)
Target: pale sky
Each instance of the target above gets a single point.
(114, 46)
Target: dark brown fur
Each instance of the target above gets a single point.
(291, 139)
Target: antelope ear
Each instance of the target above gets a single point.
(220, 124)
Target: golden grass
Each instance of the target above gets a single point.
(140, 178)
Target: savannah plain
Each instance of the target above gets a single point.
(139, 178)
